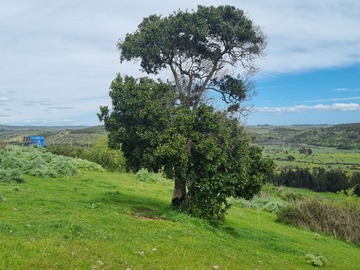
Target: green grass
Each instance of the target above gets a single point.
(111, 221)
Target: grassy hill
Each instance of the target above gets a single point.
(101, 220)
(345, 136)
(65, 135)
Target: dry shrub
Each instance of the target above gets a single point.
(341, 220)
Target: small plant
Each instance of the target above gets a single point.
(144, 175)
(315, 260)
(1, 198)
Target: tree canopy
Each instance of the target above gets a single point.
(170, 126)
(199, 47)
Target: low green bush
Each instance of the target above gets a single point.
(100, 153)
(143, 175)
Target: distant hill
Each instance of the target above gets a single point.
(73, 135)
(344, 136)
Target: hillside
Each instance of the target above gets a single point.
(345, 136)
(112, 221)
(65, 135)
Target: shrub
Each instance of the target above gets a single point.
(338, 219)
(271, 199)
(87, 165)
(143, 175)
(99, 152)
(355, 182)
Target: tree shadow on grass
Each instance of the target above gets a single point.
(137, 205)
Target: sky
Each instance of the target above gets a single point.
(58, 58)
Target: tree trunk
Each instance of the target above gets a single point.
(179, 194)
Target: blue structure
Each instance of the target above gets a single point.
(37, 140)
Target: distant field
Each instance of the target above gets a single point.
(327, 157)
(345, 136)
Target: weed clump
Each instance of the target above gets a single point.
(315, 260)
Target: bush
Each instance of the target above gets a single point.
(271, 199)
(100, 153)
(338, 219)
(143, 175)
(110, 159)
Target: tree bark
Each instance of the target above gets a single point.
(179, 194)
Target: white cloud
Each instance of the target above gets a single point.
(333, 99)
(354, 107)
(2, 99)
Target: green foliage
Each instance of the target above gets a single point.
(207, 36)
(202, 149)
(271, 199)
(268, 204)
(87, 165)
(99, 152)
(143, 175)
(355, 182)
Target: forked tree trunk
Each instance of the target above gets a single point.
(179, 194)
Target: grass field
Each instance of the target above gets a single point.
(329, 158)
(111, 221)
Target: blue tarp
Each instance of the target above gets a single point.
(37, 140)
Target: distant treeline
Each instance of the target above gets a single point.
(319, 179)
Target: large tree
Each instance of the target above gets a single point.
(170, 126)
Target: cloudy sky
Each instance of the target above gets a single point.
(57, 58)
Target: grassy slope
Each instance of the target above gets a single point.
(111, 221)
